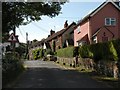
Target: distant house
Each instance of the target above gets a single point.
(101, 25)
(34, 46)
(62, 38)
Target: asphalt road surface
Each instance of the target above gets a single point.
(45, 74)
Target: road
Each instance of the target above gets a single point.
(46, 74)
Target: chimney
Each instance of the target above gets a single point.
(48, 35)
(52, 32)
(66, 24)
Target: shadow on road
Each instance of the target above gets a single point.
(56, 78)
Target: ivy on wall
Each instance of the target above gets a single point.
(38, 53)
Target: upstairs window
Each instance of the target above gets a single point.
(110, 21)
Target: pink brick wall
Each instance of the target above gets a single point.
(83, 31)
(98, 20)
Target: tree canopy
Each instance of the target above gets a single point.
(15, 14)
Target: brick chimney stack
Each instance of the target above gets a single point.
(52, 32)
(66, 24)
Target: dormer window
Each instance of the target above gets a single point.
(110, 21)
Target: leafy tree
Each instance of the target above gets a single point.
(21, 50)
(35, 40)
(15, 14)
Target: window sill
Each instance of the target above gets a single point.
(110, 25)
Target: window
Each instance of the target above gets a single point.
(95, 39)
(78, 29)
(81, 43)
(110, 21)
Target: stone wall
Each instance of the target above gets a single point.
(103, 67)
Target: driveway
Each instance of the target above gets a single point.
(47, 74)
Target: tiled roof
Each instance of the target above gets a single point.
(59, 32)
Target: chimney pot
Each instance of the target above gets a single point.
(66, 24)
(52, 32)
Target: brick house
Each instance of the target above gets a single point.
(62, 38)
(102, 24)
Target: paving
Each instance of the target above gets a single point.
(47, 74)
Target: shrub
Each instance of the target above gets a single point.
(66, 52)
(11, 67)
(38, 53)
(84, 51)
(49, 51)
(116, 44)
(101, 51)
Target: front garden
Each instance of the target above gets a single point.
(103, 58)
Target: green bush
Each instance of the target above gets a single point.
(85, 51)
(101, 51)
(11, 67)
(49, 51)
(116, 44)
(66, 52)
(38, 53)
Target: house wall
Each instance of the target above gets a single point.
(67, 35)
(84, 28)
(59, 42)
(101, 34)
(119, 23)
(50, 42)
(98, 20)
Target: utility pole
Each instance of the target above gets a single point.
(27, 55)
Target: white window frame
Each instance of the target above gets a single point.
(78, 29)
(95, 39)
(110, 21)
(81, 43)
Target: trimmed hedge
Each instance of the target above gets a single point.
(67, 52)
(101, 51)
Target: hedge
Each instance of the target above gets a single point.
(101, 51)
(67, 52)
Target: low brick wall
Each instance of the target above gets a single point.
(108, 68)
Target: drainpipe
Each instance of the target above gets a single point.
(89, 32)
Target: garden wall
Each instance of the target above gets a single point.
(100, 57)
(108, 68)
